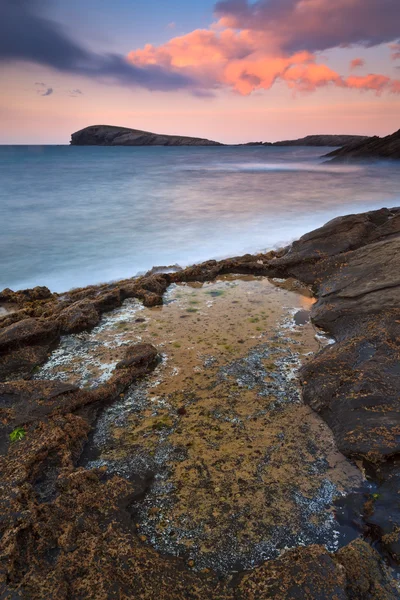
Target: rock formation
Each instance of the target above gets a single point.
(371, 148)
(323, 140)
(109, 135)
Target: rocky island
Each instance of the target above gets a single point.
(146, 422)
(110, 135)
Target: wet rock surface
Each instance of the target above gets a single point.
(74, 528)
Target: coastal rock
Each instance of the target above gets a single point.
(355, 572)
(23, 296)
(354, 385)
(109, 135)
(26, 332)
(137, 356)
(107, 301)
(372, 148)
(323, 140)
(78, 317)
(367, 578)
(303, 574)
(23, 401)
(306, 257)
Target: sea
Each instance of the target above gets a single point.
(72, 216)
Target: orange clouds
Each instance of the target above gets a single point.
(356, 63)
(247, 60)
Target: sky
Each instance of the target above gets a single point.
(231, 70)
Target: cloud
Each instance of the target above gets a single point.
(27, 35)
(315, 25)
(44, 89)
(356, 63)
(377, 83)
(75, 93)
(247, 60)
(395, 48)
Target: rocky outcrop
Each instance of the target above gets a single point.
(109, 135)
(352, 264)
(315, 140)
(373, 148)
(69, 532)
(323, 140)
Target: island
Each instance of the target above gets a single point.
(110, 135)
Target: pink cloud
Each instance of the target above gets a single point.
(395, 48)
(246, 61)
(377, 83)
(315, 24)
(356, 63)
(255, 45)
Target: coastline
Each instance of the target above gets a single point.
(351, 266)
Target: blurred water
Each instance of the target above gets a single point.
(71, 216)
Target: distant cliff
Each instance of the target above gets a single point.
(109, 135)
(323, 140)
(372, 148)
(314, 140)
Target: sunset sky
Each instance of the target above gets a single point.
(233, 70)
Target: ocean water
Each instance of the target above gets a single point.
(73, 216)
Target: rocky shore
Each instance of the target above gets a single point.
(386, 148)
(69, 531)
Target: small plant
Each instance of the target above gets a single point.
(18, 434)
(191, 310)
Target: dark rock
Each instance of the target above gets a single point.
(138, 356)
(371, 148)
(384, 517)
(26, 332)
(367, 578)
(109, 135)
(302, 574)
(19, 363)
(304, 259)
(107, 301)
(24, 401)
(78, 317)
(156, 284)
(22, 296)
(323, 140)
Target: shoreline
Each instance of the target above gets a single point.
(350, 263)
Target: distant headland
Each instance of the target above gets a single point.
(110, 135)
(351, 147)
